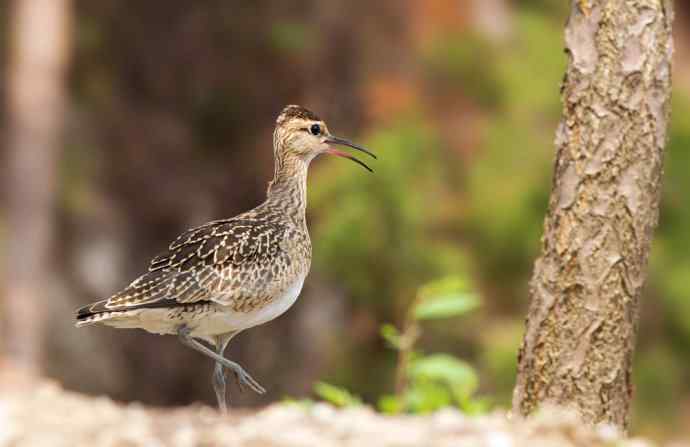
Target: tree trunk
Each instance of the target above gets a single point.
(35, 111)
(604, 205)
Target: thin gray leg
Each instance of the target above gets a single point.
(218, 373)
(242, 376)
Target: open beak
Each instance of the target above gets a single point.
(343, 142)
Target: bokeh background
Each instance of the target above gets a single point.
(168, 119)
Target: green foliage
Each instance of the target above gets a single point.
(440, 380)
(670, 264)
(498, 346)
(550, 7)
(382, 235)
(508, 183)
(392, 335)
(425, 382)
(456, 374)
(444, 299)
(379, 233)
(337, 396)
(450, 64)
(429, 382)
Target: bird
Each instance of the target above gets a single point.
(223, 277)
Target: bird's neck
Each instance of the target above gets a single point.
(288, 189)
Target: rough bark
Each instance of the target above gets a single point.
(604, 205)
(35, 110)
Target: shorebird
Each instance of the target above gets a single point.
(223, 277)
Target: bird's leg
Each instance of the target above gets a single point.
(219, 388)
(218, 373)
(243, 376)
(219, 383)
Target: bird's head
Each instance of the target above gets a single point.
(300, 133)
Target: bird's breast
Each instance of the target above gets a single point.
(281, 303)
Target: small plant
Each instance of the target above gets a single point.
(425, 383)
(337, 396)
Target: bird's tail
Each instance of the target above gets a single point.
(92, 313)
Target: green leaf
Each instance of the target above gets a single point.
(337, 396)
(391, 334)
(445, 368)
(443, 286)
(446, 306)
(475, 406)
(390, 404)
(444, 298)
(425, 397)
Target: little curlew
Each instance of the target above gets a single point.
(223, 277)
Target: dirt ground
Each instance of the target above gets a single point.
(43, 415)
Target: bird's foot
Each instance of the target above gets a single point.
(243, 376)
(244, 380)
(240, 385)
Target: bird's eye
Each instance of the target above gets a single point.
(315, 129)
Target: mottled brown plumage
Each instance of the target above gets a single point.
(294, 111)
(229, 275)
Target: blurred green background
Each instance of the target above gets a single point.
(170, 114)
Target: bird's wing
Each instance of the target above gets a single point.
(202, 264)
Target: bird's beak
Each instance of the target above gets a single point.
(343, 142)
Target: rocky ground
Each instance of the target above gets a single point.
(46, 415)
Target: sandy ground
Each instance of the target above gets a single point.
(45, 415)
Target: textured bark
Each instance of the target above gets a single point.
(604, 205)
(35, 110)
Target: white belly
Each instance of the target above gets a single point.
(274, 309)
(213, 320)
(226, 320)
